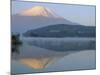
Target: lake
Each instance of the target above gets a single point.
(48, 54)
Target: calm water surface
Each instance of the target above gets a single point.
(55, 48)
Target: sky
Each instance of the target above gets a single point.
(82, 14)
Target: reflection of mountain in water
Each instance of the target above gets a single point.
(51, 51)
(40, 63)
(80, 60)
(36, 57)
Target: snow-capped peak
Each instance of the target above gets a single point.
(38, 11)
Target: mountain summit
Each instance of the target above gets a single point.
(38, 11)
(36, 17)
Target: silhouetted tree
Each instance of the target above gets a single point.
(16, 42)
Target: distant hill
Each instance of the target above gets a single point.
(62, 30)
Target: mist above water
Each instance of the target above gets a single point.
(62, 44)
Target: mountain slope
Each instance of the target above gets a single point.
(62, 30)
(36, 17)
(38, 11)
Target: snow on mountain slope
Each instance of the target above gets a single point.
(38, 11)
(36, 17)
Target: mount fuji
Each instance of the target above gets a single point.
(36, 17)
